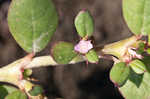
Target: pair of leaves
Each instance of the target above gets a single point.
(32, 28)
(133, 83)
(9, 92)
(85, 27)
(137, 86)
(63, 52)
(120, 71)
(17, 95)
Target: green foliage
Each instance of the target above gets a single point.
(138, 66)
(32, 23)
(148, 50)
(136, 14)
(27, 73)
(137, 86)
(84, 24)
(5, 90)
(32, 28)
(16, 95)
(10, 92)
(92, 56)
(36, 91)
(149, 39)
(119, 73)
(141, 48)
(63, 52)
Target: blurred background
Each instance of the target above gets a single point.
(76, 81)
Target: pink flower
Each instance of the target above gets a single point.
(83, 46)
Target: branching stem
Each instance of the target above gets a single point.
(13, 73)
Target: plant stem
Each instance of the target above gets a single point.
(12, 73)
(44, 61)
(117, 49)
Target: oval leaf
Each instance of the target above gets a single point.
(136, 14)
(92, 56)
(5, 90)
(16, 95)
(36, 91)
(63, 52)
(138, 66)
(27, 73)
(137, 86)
(119, 73)
(141, 48)
(148, 50)
(32, 23)
(149, 39)
(84, 24)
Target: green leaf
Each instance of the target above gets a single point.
(27, 73)
(119, 73)
(137, 14)
(138, 66)
(84, 24)
(36, 91)
(149, 39)
(138, 85)
(9, 88)
(92, 56)
(16, 95)
(5, 90)
(148, 50)
(63, 52)
(141, 48)
(146, 61)
(32, 23)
